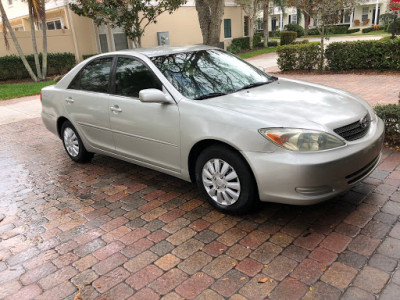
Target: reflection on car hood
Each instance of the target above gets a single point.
(290, 103)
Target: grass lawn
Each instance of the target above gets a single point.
(256, 52)
(17, 90)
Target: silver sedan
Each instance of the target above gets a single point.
(203, 115)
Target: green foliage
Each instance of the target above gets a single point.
(295, 27)
(368, 29)
(390, 114)
(272, 43)
(389, 38)
(386, 18)
(257, 40)
(86, 56)
(299, 57)
(377, 55)
(11, 66)
(353, 30)
(313, 31)
(133, 15)
(288, 37)
(275, 33)
(333, 29)
(17, 90)
(396, 27)
(302, 42)
(243, 43)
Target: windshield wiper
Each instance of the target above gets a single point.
(210, 95)
(251, 85)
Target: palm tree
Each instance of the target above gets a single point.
(36, 12)
(7, 28)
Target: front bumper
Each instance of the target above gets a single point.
(307, 178)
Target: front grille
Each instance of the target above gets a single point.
(363, 172)
(354, 131)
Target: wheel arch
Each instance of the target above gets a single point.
(60, 123)
(203, 144)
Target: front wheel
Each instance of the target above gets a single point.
(73, 144)
(226, 180)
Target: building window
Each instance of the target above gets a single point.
(53, 25)
(227, 29)
(120, 39)
(293, 19)
(18, 28)
(10, 2)
(246, 26)
(365, 11)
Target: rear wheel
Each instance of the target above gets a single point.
(226, 179)
(73, 144)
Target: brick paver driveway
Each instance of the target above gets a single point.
(113, 230)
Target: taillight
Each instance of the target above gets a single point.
(40, 96)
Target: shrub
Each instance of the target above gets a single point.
(378, 55)
(295, 27)
(243, 43)
(396, 27)
(313, 31)
(276, 33)
(257, 40)
(234, 48)
(11, 66)
(338, 29)
(86, 56)
(300, 42)
(353, 30)
(298, 57)
(388, 38)
(287, 37)
(368, 29)
(272, 43)
(390, 114)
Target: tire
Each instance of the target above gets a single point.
(73, 144)
(232, 188)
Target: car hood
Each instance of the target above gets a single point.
(291, 103)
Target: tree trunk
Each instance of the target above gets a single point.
(306, 18)
(7, 24)
(34, 45)
(321, 60)
(210, 14)
(266, 20)
(44, 33)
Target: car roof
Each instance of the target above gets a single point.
(164, 50)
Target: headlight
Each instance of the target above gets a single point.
(301, 140)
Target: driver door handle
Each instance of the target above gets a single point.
(69, 100)
(115, 109)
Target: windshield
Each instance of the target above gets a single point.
(208, 73)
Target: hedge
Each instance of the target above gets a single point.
(288, 37)
(353, 30)
(298, 57)
(334, 29)
(377, 55)
(390, 114)
(11, 66)
(368, 29)
(295, 27)
(86, 56)
(243, 43)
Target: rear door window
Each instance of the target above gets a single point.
(95, 77)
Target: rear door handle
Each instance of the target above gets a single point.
(69, 100)
(116, 109)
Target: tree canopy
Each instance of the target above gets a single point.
(133, 16)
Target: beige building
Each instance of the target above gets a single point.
(68, 32)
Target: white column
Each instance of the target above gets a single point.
(376, 12)
(281, 21)
(351, 17)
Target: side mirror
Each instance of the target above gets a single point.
(154, 96)
(261, 68)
